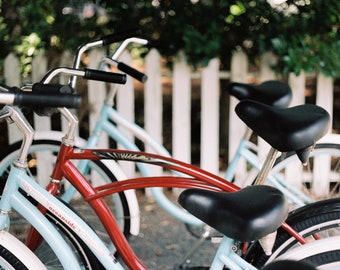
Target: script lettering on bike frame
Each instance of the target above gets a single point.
(64, 219)
(36, 195)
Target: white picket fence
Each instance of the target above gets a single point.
(182, 76)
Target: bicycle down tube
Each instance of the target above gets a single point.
(49, 232)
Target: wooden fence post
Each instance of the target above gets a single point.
(126, 107)
(268, 59)
(298, 85)
(96, 95)
(238, 73)
(66, 60)
(322, 164)
(12, 70)
(153, 102)
(210, 117)
(293, 172)
(324, 93)
(181, 111)
(39, 69)
(12, 78)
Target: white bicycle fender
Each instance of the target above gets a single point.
(309, 249)
(21, 251)
(330, 138)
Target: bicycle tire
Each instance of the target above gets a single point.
(14, 255)
(321, 217)
(311, 183)
(327, 260)
(8, 258)
(118, 202)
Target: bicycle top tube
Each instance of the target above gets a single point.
(68, 153)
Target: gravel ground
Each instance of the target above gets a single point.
(163, 241)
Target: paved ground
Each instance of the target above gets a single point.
(163, 240)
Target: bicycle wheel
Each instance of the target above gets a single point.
(319, 179)
(323, 259)
(313, 221)
(86, 258)
(43, 154)
(14, 255)
(326, 260)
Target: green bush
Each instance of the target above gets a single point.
(304, 34)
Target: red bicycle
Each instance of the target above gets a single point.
(307, 124)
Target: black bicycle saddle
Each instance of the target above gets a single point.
(286, 129)
(244, 215)
(274, 93)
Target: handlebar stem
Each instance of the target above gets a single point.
(108, 60)
(109, 100)
(80, 51)
(15, 114)
(72, 121)
(125, 43)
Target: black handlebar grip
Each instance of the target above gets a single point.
(132, 72)
(47, 101)
(40, 88)
(98, 75)
(120, 36)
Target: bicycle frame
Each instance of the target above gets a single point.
(195, 178)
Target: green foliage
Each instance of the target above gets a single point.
(304, 34)
(306, 37)
(201, 48)
(29, 47)
(308, 53)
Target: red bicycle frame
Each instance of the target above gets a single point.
(197, 178)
